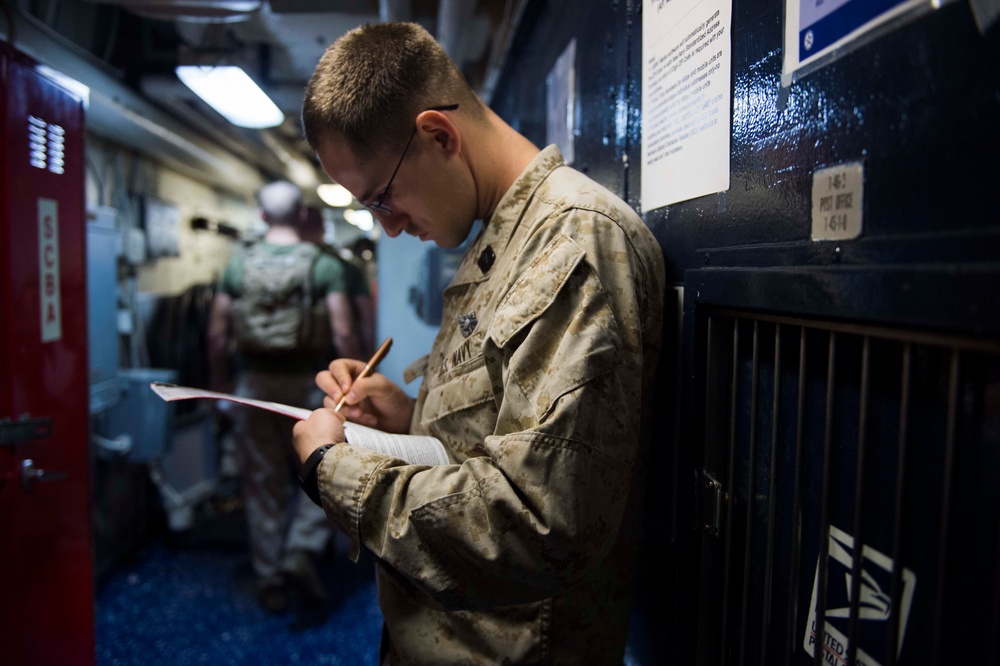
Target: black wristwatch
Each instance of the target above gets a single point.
(307, 473)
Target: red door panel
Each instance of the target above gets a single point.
(46, 595)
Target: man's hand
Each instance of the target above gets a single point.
(322, 427)
(372, 401)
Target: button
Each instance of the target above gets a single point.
(486, 259)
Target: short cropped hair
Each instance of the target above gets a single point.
(280, 203)
(373, 81)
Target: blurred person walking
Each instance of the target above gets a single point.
(279, 306)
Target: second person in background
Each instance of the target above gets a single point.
(280, 305)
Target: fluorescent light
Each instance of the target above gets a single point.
(335, 195)
(233, 94)
(362, 219)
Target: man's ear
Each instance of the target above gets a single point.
(444, 132)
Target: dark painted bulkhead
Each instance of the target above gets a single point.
(919, 106)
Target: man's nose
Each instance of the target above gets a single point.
(392, 224)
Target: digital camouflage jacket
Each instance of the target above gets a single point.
(520, 551)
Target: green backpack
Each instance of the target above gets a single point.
(278, 312)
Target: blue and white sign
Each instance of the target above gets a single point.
(818, 31)
(875, 605)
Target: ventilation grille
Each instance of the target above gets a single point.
(47, 145)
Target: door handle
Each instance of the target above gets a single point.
(30, 474)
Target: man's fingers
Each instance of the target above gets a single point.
(344, 370)
(330, 404)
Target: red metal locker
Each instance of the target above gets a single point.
(47, 590)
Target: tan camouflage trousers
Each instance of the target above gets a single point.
(280, 517)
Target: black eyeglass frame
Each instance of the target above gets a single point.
(378, 205)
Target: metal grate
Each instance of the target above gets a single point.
(860, 468)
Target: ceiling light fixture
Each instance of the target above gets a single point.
(232, 93)
(362, 219)
(335, 195)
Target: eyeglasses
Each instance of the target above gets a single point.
(378, 206)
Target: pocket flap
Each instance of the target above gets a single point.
(416, 369)
(462, 391)
(535, 290)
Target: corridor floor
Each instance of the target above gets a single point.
(190, 600)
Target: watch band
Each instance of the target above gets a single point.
(308, 479)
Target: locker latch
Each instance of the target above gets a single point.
(708, 501)
(24, 429)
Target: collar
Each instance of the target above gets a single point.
(499, 228)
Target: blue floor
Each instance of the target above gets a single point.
(189, 599)
(192, 601)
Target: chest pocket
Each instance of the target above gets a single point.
(460, 410)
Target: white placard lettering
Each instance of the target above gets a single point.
(48, 270)
(837, 198)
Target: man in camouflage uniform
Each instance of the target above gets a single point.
(519, 551)
(287, 532)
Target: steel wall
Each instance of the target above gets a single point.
(919, 106)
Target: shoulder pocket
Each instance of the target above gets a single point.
(555, 330)
(535, 289)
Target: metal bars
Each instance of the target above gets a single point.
(851, 458)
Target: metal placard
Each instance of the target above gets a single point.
(837, 202)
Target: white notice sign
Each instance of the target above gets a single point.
(837, 202)
(686, 99)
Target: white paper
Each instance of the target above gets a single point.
(560, 85)
(412, 449)
(686, 99)
(171, 392)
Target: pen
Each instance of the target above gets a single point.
(376, 357)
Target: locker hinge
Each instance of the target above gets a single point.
(708, 502)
